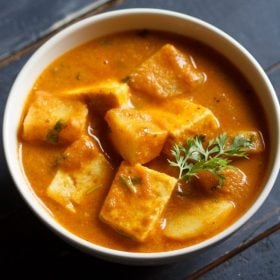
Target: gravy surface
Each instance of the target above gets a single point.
(225, 93)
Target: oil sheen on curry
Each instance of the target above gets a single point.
(143, 141)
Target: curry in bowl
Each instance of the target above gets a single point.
(144, 141)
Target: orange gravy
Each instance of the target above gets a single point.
(226, 93)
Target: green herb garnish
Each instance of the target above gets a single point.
(214, 157)
(130, 183)
(125, 79)
(53, 134)
(58, 160)
(93, 189)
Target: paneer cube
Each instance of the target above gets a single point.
(54, 120)
(95, 174)
(183, 119)
(234, 185)
(198, 219)
(167, 73)
(134, 135)
(256, 138)
(136, 200)
(61, 190)
(83, 169)
(104, 96)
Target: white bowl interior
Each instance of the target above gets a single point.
(128, 20)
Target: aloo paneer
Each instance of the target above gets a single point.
(144, 143)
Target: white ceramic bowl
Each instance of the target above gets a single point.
(121, 20)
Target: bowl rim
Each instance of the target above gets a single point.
(101, 250)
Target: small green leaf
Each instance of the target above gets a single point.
(53, 134)
(125, 79)
(93, 189)
(130, 183)
(136, 181)
(58, 160)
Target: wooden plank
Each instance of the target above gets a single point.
(255, 24)
(23, 23)
(260, 35)
(260, 261)
(97, 7)
(235, 252)
(24, 239)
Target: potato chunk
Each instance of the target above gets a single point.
(104, 96)
(167, 73)
(83, 169)
(136, 200)
(198, 219)
(234, 186)
(183, 119)
(54, 120)
(133, 128)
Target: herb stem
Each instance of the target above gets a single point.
(215, 157)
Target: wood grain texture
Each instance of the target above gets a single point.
(24, 239)
(23, 22)
(236, 251)
(97, 7)
(259, 262)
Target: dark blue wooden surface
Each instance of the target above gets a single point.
(260, 261)
(22, 22)
(25, 240)
(254, 23)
